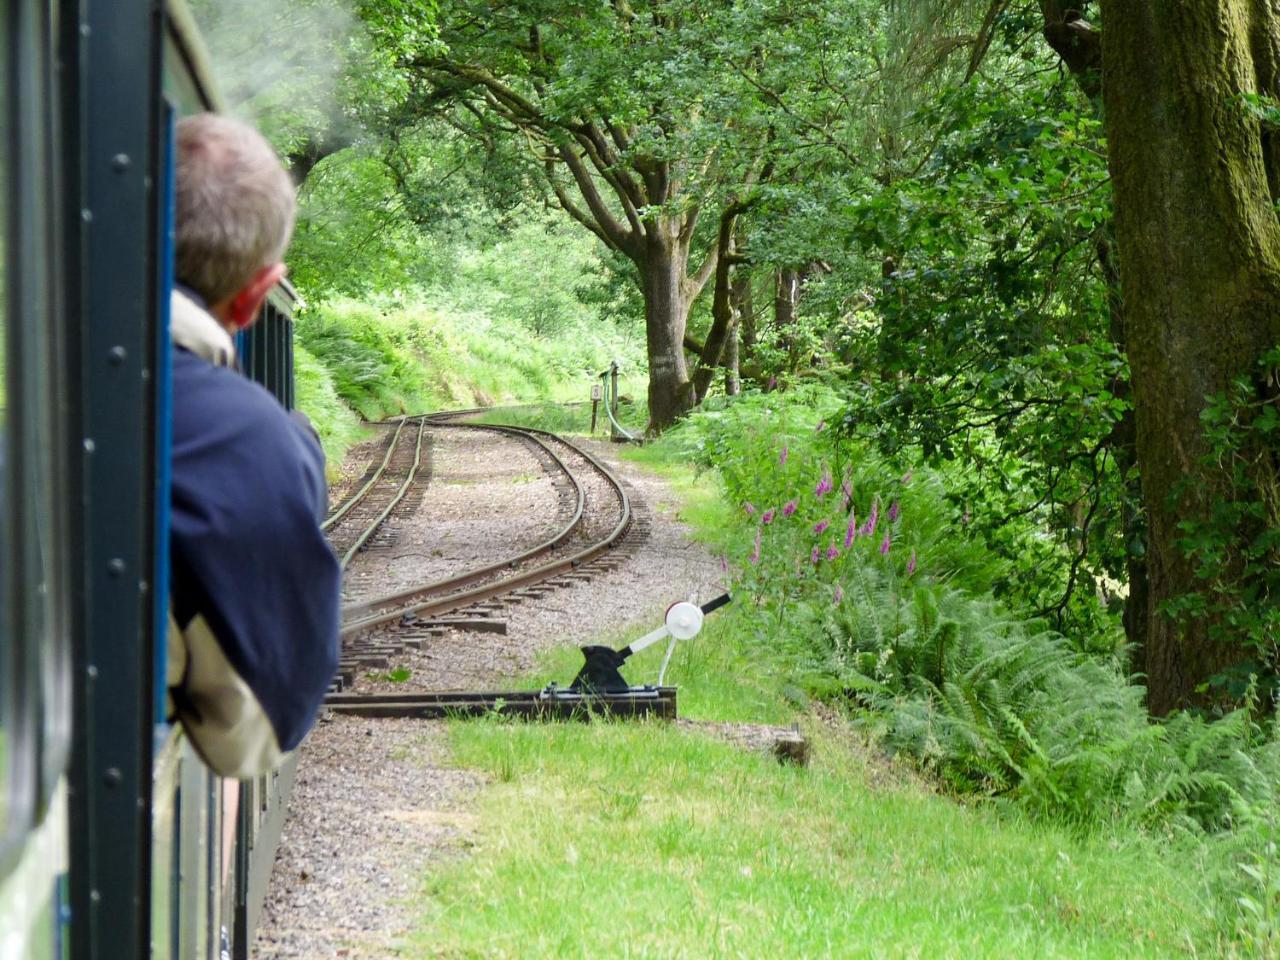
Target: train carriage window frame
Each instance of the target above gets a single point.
(16, 764)
(34, 641)
(8, 654)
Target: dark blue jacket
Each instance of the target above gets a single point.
(250, 564)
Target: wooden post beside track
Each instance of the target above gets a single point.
(613, 400)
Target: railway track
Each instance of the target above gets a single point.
(601, 525)
(405, 464)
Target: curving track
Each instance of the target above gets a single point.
(375, 630)
(353, 524)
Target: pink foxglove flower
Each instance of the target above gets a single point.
(821, 526)
(839, 594)
(814, 555)
(894, 510)
(768, 515)
(832, 552)
(850, 531)
(911, 564)
(884, 545)
(869, 528)
(750, 508)
(755, 550)
(789, 508)
(782, 457)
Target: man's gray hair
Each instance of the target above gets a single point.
(235, 205)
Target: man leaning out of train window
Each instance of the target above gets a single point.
(253, 630)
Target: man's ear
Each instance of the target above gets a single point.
(243, 308)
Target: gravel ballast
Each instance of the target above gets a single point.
(377, 804)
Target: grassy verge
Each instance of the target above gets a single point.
(641, 840)
(570, 419)
(646, 840)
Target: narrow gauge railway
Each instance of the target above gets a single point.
(602, 526)
(388, 486)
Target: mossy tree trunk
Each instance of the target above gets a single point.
(1199, 247)
(667, 296)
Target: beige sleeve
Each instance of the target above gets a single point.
(222, 717)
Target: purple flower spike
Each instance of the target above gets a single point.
(814, 555)
(755, 550)
(821, 526)
(869, 528)
(832, 552)
(768, 515)
(750, 508)
(782, 457)
(789, 508)
(911, 564)
(893, 512)
(850, 531)
(884, 545)
(839, 594)
(824, 485)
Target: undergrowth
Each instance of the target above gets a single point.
(859, 573)
(374, 360)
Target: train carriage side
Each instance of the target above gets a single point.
(113, 838)
(35, 574)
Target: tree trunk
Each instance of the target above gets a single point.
(744, 306)
(732, 380)
(1199, 251)
(722, 320)
(666, 311)
(786, 293)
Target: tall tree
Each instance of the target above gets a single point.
(1199, 246)
(649, 122)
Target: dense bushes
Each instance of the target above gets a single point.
(861, 571)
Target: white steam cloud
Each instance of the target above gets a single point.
(286, 65)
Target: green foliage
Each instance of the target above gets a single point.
(317, 397)
(354, 237)
(410, 358)
(991, 702)
(1233, 541)
(991, 342)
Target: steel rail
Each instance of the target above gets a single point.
(359, 495)
(418, 601)
(395, 501)
(368, 607)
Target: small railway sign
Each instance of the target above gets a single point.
(597, 392)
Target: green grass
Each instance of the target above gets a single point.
(718, 678)
(642, 840)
